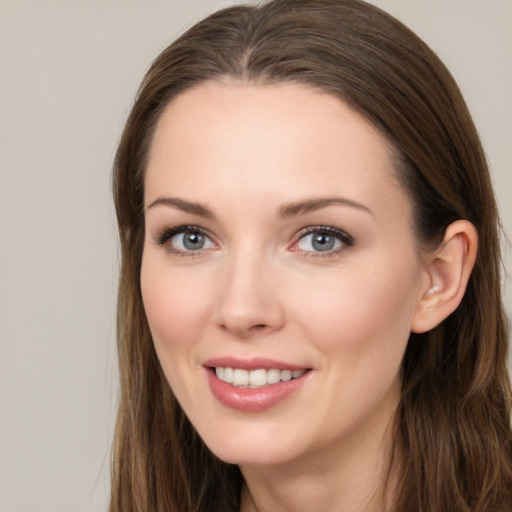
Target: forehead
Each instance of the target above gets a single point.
(280, 112)
(285, 139)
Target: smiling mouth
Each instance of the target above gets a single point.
(254, 379)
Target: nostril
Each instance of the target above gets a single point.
(244, 331)
(258, 328)
(248, 315)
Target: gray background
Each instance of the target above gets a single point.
(68, 75)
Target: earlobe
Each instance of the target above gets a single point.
(449, 268)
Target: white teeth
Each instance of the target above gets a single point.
(228, 375)
(273, 376)
(255, 378)
(286, 375)
(240, 377)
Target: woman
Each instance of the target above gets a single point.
(309, 308)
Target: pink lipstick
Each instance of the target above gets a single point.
(253, 385)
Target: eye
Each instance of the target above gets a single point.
(185, 239)
(323, 239)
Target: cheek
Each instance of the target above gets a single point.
(176, 304)
(366, 306)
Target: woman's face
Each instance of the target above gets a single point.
(279, 255)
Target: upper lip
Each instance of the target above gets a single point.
(255, 363)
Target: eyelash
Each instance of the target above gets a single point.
(167, 234)
(343, 237)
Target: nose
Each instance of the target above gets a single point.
(248, 302)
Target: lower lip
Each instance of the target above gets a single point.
(253, 399)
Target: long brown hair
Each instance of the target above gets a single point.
(452, 426)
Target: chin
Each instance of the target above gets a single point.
(250, 450)
(251, 457)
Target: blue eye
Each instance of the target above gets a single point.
(323, 239)
(185, 239)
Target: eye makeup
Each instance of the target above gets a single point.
(192, 242)
(319, 241)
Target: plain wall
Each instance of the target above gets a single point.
(68, 75)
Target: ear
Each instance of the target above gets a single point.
(448, 269)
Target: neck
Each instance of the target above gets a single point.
(353, 478)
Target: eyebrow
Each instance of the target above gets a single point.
(181, 204)
(285, 211)
(310, 205)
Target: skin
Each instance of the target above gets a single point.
(259, 288)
